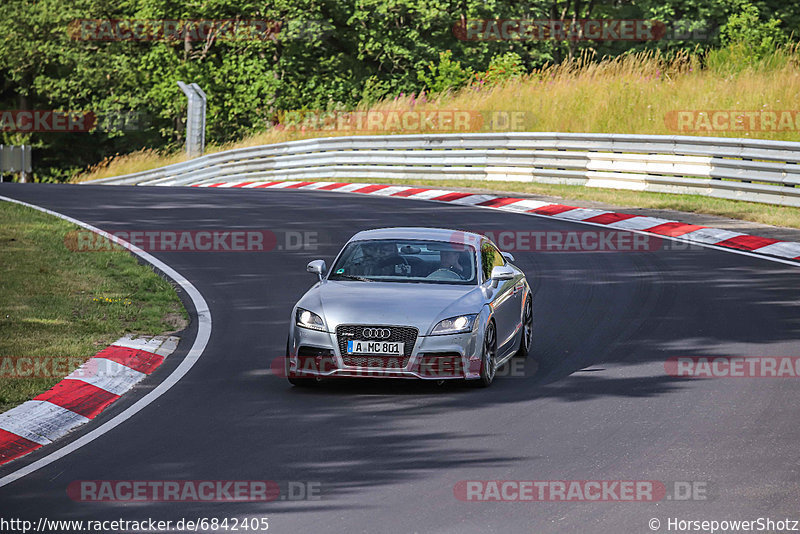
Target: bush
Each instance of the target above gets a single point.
(748, 43)
(502, 67)
(447, 75)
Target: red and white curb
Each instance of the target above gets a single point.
(692, 233)
(81, 395)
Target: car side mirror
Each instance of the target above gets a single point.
(317, 267)
(508, 256)
(501, 272)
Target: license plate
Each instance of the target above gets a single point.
(392, 348)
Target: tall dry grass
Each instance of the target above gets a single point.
(633, 93)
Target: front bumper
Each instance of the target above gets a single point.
(449, 357)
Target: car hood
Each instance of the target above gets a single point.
(390, 303)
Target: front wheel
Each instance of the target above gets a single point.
(489, 357)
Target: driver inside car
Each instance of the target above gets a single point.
(380, 259)
(451, 260)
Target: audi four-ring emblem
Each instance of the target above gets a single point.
(376, 333)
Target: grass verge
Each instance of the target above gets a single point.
(64, 306)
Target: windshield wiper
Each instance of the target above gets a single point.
(354, 277)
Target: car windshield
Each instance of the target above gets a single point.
(394, 260)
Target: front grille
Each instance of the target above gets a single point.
(404, 334)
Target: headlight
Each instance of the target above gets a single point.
(307, 319)
(454, 325)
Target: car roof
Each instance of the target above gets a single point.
(421, 233)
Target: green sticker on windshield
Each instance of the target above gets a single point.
(339, 271)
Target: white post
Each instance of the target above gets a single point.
(201, 116)
(195, 120)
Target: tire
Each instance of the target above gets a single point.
(526, 339)
(488, 357)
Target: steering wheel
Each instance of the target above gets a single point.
(445, 274)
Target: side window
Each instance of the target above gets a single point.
(490, 258)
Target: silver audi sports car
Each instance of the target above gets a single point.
(424, 303)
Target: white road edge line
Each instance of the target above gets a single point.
(199, 345)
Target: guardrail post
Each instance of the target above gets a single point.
(201, 116)
(25, 162)
(195, 120)
(15, 159)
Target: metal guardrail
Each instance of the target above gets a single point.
(740, 169)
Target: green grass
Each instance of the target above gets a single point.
(56, 303)
(748, 211)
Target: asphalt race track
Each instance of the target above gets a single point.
(386, 456)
